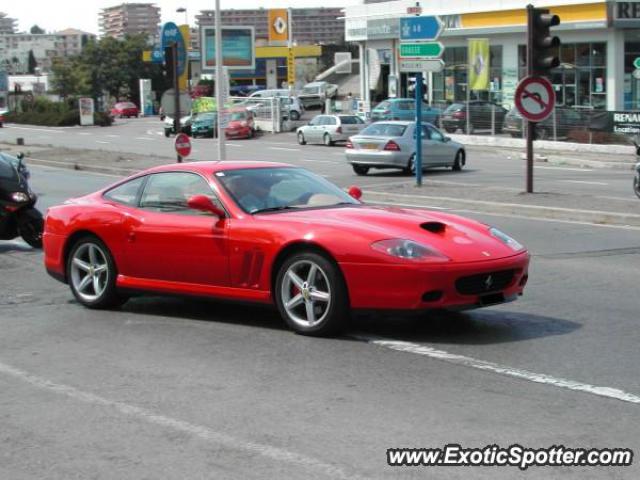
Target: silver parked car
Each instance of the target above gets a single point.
(393, 145)
(314, 94)
(329, 129)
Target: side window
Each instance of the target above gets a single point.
(436, 135)
(426, 133)
(127, 193)
(329, 121)
(315, 121)
(170, 192)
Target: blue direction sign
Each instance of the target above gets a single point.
(420, 28)
(157, 54)
(170, 34)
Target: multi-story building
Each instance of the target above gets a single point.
(15, 48)
(130, 19)
(7, 25)
(309, 25)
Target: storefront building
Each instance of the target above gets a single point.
(600, 41)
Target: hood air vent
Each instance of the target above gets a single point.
(433, 227)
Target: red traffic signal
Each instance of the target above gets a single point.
(544, 47)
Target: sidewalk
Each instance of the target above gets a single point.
(433, 194)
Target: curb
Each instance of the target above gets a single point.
(595, 217)
(82, 167)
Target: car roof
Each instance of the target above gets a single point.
(206, 168)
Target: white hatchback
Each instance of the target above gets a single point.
(329, 129)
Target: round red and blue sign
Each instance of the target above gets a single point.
(535, 98)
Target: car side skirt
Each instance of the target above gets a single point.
(229, 293)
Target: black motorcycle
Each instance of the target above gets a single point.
(18, 215)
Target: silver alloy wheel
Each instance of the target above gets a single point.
(306, 293)
(89, 271)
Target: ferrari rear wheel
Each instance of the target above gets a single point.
(311, 295)
(91, 272)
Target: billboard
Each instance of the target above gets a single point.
(238, 48)
(86, 111)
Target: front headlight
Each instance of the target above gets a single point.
(19, 197)
(408, 250)
(506, 239)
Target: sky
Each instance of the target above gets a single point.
(83, 14)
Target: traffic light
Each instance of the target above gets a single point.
(169, 64)
(544, 47)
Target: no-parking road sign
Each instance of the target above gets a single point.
(183, 145)
(535, 98)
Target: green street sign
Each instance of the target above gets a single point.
(421, 50)
(636, 63)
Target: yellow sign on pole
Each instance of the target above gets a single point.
(479, 59)
(278, 25)
(291, 67)
(183, 79)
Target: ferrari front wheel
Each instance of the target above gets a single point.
(311, 295)
(91, 272)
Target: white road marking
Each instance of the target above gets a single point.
(101, 141)
(200, 431)
(144, 138)
(419, 349)
(113, 136)
(565, 169)
(84, 133)
(234, 145)
(623, 199)
(48, 130)
(584, 182)
(310, 160)
(286, 149)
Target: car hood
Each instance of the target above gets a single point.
(460, 239)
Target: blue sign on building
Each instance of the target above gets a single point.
(171, 34)
(420, 28)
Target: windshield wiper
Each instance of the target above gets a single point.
(274, 209)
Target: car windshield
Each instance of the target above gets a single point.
(204, 117)
(258, 190)
(350, 120)
(7, 168)
(311, 90)
(385, 130)
(238, 116)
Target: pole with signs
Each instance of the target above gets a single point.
(222, 154)
(176, 81)
(419, 52)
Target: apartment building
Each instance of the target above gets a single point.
(130, 19)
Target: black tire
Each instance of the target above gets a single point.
(31, 225)
(516, 135)
(636, 184)
(335, 315)
(410, 169)
(360, 169)
(110, 297)
(459, 161)
(450, 129)
(301, 139)
(167, 132)
(294, 115)
(326, 139)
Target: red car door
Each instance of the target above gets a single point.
(167, 241)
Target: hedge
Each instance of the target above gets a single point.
(56, 119)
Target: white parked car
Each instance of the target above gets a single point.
(290, 107)
(329, 129)
(314, 94)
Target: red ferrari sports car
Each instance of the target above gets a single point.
(273, 233)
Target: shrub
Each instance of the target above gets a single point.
(102, 119)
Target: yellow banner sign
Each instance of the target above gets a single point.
(291, 67)
(478, 57)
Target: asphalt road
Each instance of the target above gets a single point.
(487, 167)
(183, 388)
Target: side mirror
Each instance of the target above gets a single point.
(355, 192)
(20, 156)
(204, 204)
(447, 139)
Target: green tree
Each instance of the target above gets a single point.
(36, 30)
(32, 64)
(115, 66)
(69, 77)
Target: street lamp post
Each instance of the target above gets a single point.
(186, 17)
(219, 80)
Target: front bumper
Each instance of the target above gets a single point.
(430, 286)
(378, 158)
(244, 132)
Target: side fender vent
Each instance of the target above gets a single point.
(433, 227)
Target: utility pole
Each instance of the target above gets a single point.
(176, 89)
(222, 154)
